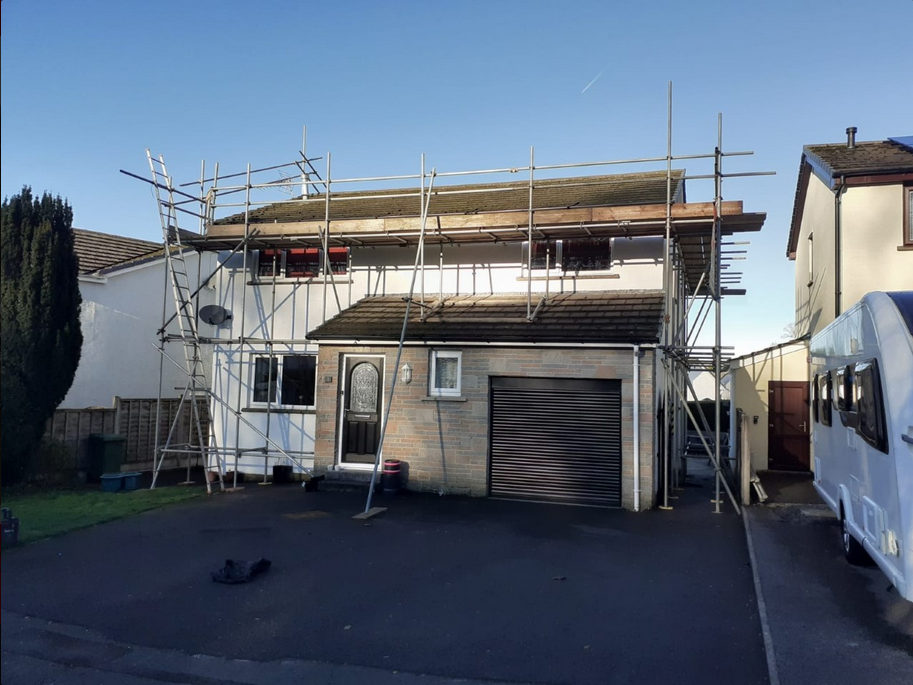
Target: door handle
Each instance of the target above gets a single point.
(804, 425)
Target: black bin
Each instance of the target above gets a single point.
(282, 474)
(391, 478)
(106, 454)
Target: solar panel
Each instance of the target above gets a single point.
(906, 141)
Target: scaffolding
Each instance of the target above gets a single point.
(700, 250)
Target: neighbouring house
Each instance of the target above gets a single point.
(124, 289)
(851, 233)
(528, 371)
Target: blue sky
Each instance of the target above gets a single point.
(87, 86)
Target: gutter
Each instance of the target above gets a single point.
(91, 278)
(462, 343)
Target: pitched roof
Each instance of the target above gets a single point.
(596, 317)
(95, 250)
(835, 161)
(875, 157)
(586, 191)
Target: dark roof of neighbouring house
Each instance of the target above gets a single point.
(96, 251)
(595, 317)
(835, 161)
(587, 191)
(876, 157)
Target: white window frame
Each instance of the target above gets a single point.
(278, 380)
(434, 391)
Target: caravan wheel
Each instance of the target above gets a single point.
(853, 551)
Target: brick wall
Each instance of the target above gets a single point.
(445, 443)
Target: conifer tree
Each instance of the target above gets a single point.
(40, 336)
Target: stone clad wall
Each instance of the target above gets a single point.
(445, 441)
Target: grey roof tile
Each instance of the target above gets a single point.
(585, 191)
(96, 251)
(875, 157)
(599, 317)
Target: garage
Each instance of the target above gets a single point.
(556, 439)
(492, 404)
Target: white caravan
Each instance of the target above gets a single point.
(862, 411)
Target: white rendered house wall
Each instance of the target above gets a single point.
(120, 316)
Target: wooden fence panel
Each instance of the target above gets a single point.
(135, 419)
(70, 429)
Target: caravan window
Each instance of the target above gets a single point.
(845, 390)
(827, 397)
(816, 400)
(870, 405)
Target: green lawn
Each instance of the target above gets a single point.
(43, 514)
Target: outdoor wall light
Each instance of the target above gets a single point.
(406, 373)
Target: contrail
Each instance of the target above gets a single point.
(592, 82)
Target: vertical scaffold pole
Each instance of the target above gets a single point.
(717, 298)
(667, 287)
(241, 319)
(529, 237)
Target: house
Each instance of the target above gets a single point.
(851, 233)
(122, 282)
(529, 368)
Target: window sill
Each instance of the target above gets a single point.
(445, 398)
(905, 248)
(589, 276)
(277, 410)
(339, 280)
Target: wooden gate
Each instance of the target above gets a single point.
(788, 429)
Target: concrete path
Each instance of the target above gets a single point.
(829, 622)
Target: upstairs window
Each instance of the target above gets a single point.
(301, 262)
(285, 380)
(573, 256)
(908, 216)
(269, 262)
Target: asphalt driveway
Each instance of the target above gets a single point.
(449, 587)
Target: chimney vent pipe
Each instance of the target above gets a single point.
(851, 138)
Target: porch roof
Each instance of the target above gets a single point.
(597, 317)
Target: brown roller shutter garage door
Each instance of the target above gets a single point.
(556, 439)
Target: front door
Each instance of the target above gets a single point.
(361, 402)
(788, 429)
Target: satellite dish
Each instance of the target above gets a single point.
(213, 314)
